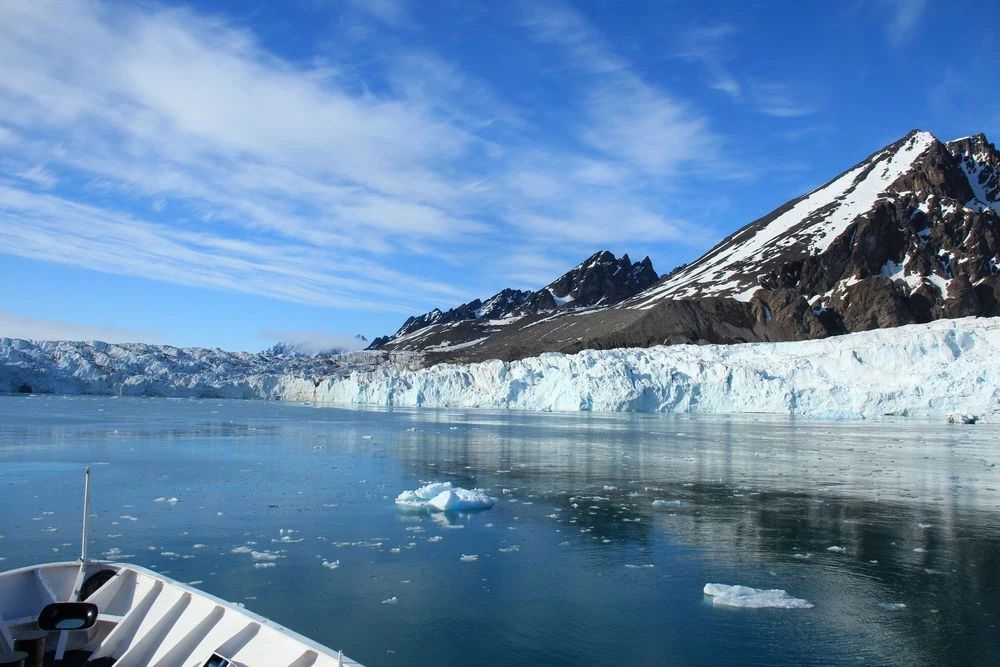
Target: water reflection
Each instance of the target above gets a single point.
(606, 530)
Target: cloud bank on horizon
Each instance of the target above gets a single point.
(372, 159)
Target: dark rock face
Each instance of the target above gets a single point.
(600, 280)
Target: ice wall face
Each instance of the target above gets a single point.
(137, 369)
(931, 369)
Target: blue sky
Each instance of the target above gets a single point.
(230, 173)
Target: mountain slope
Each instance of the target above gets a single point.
(910, 234)
(600, 280)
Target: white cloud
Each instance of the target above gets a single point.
(313, 342)
(905, 16)
(778, 100)
(17, 326)
(625, 117)
(197, 157)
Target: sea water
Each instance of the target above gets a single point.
(606, 530)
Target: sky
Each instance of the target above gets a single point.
(229, 173)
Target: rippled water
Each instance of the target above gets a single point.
(575, 565)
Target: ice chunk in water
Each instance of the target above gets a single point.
(443, 497)
(418, 498)
(754, 598)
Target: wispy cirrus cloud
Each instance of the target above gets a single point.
(905, 16)
(169, 144)
(625, 117)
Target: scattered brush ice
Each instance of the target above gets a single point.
(265, 555)
(331, 564)
(436, 538)
(511, 548)
(644, 566)
(892, 606)
(240, 550)
(391, 600)
(666, 503)
(836, 549)
(443, 497)
(754, 598)
(468, 558)
(263, 565)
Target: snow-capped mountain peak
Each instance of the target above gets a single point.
(805, 226)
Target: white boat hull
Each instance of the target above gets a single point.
(148, 619)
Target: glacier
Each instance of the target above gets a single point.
(932, 370)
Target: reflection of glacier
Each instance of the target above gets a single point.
(913, 505)
(931, 369)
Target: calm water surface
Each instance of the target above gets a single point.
(575, 565)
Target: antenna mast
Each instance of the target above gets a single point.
(86, 515)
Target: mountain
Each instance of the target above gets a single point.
(908, 235)
(600, 280)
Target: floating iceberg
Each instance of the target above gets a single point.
(754, 598)
(443, 497)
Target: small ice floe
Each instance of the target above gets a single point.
(240, 550)
(754, 598)
(443, 497)
(331, 564)
(644, 566)
(260, 566)
(468, 558)
(666, 503)
(198, 546)
(436, 538)
(837, 550)
(510, 549)
(391, 600)
(802, 556)
(265, 555)
(920, 550)
(960, 418)
(925, 526)
(195, 582)
(892, 606)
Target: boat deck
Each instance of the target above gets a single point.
(76, 659)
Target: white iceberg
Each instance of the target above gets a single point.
(443, 497)
(754, 598)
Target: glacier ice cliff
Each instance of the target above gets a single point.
(935, 369)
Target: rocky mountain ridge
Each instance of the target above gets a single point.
(600, 280)
(911, 234)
